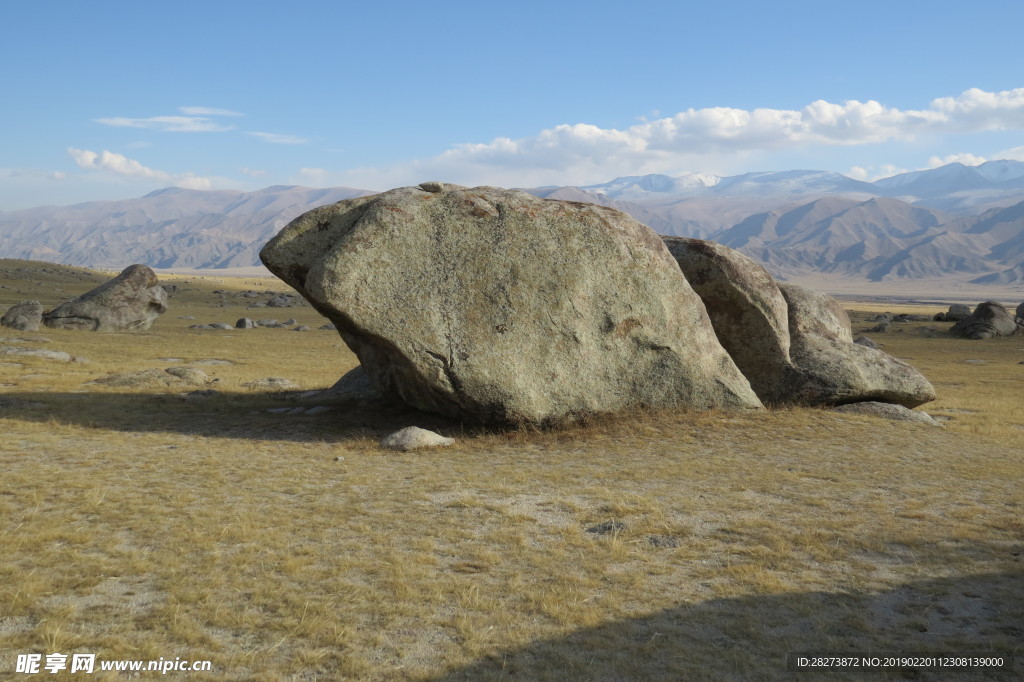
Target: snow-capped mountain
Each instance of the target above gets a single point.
(956, 219)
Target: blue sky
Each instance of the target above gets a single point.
(110, 100)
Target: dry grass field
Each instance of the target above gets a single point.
(146, 522)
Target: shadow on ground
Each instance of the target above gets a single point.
(286, 415)
(748, 638)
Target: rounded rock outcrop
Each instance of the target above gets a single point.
(988, 320)
(493, 305)
(130, 301)
(23, 317)
(794, 345)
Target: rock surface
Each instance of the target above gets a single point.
(271, 384)
(58, 355)
(794, 345)
(831, 369)
(988, 320)
(957, 312)
(747, 310)
(415, 438)
(130, 301)
(24, 317)
(355, 383)
(172, 376)
(887, 411)
(493, 305)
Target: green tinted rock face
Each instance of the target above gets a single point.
(493, 305)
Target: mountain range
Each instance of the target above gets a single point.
(953, 221)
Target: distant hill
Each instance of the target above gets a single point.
(954, 220)
(169, 228)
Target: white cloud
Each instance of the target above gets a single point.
(276, 138)
(966, 159)
(253, 172)
(699, 138)
(873, 173)
(207, 111)
(314, 177)
(168, 124)
(1014, 154)
(121, 165)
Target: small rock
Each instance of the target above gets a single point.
(414, 438)
(432, 186)
(267, 323)
(666, 541)
(865, 341)
(607, 527)
(219, 325)
(245, 323)
(190, 375)
(301, 328)
(59, 356)
(289, 322)
(329, 327)
(272, 383)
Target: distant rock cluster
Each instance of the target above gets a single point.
(495, 306)
(989, 319)
(130, 301)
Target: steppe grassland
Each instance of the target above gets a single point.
(139, 525)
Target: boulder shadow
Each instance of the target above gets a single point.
(300, 416)
(751, 638)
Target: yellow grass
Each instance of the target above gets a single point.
(138, 524)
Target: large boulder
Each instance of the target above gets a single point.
(25, 316)
(794, 345)
(989, 319)
(833, 370)
(1020, 314)
(493, 305)
(130, 301)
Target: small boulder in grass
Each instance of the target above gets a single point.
(415, 438)
(886, 411)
